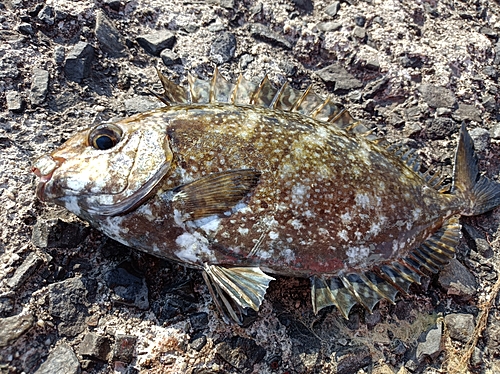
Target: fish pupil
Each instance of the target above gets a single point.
(104, 142)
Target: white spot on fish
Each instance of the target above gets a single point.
(356, 255)
(362, 200)
(273, 235)
(194, 248)
(242, 230)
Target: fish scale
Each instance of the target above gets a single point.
(245, 180)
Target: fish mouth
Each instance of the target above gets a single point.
(44, 168)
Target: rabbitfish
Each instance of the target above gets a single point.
(244, 180)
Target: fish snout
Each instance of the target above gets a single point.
(43, 168)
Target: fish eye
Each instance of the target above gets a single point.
(104, 136)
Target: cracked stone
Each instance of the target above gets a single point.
(108, 36)
(79, 62)
(157, 41)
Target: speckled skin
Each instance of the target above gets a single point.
(327, 201)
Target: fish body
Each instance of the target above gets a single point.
(229, 180)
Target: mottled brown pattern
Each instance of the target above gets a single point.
(326, 200)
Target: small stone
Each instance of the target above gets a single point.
(170, 58)
(495, 131)
(62, 360)
(240, 352)
(15, 102)
(223, 48)
(108, 36)
(415, 62)
(39, 86)
(95, 346)
(245, 60)
(264, 33)
(79, 62)
(59, 54)
(228, 4)
(198, 342)
(47, 15)
(490, 71)
(460, 326)
(467, 112)
(199, 321)
(489, 32)
(477, 241)
(305, 5)
(68, 303)
(352, 360)
(26, 29)
(124, 348)
(481, 139)
(139, 104)
(359, 32)
(489, 103)
(157, 41)
(342, 80)
(458, 280)
(436, 96)
(443, 112)
(431, 346)
(360, 21)
(372, 88)
(328, 26)
(11, 328)
(333, 9)
(23, 272)
(440, 128)
(129, 289)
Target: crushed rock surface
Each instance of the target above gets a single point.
(74, 300)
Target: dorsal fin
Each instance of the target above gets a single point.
(384, 282)
(245, 92)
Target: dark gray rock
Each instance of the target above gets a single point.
(15, 102)
(62, 360)
(360, 21)
(328, 26)
(7, 304)
(372, 88)
(333, 9)
(108, 36)
(440, 128)
(431, 346)
(481, 139)
(124, 348)
(79, 62)
(223, 48)
(59, 54)
(496, 50)
(157, 41)
(264, 33)
(47, 15)
(95, 346)
(26, 29)
(240, 352)
(55, 233)
(460, 326)
(139, 104)
(68, 305)
(305, 5)
(458, 280)
(170, 58)
(199, 321)
(175, 300)
(490, 71)
(340, 78)
(489, 103)
(411, 61)
(466, 112)
(39, 86)
(129, 289)
(11, 328)
(198, 342)
(228, 4)
(477, 241)
(352, 360)
(436, 96)
(23, 272)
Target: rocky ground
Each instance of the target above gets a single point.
(74, 301)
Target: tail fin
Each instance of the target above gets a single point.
(479, 193)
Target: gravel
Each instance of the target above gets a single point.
(72, 300)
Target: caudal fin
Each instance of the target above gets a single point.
(479, 193)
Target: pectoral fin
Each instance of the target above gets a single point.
(235, 289)
(214, 194)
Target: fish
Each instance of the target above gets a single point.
(245, 181)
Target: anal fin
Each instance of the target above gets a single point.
(237, 288)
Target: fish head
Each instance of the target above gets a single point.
(107, 170)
